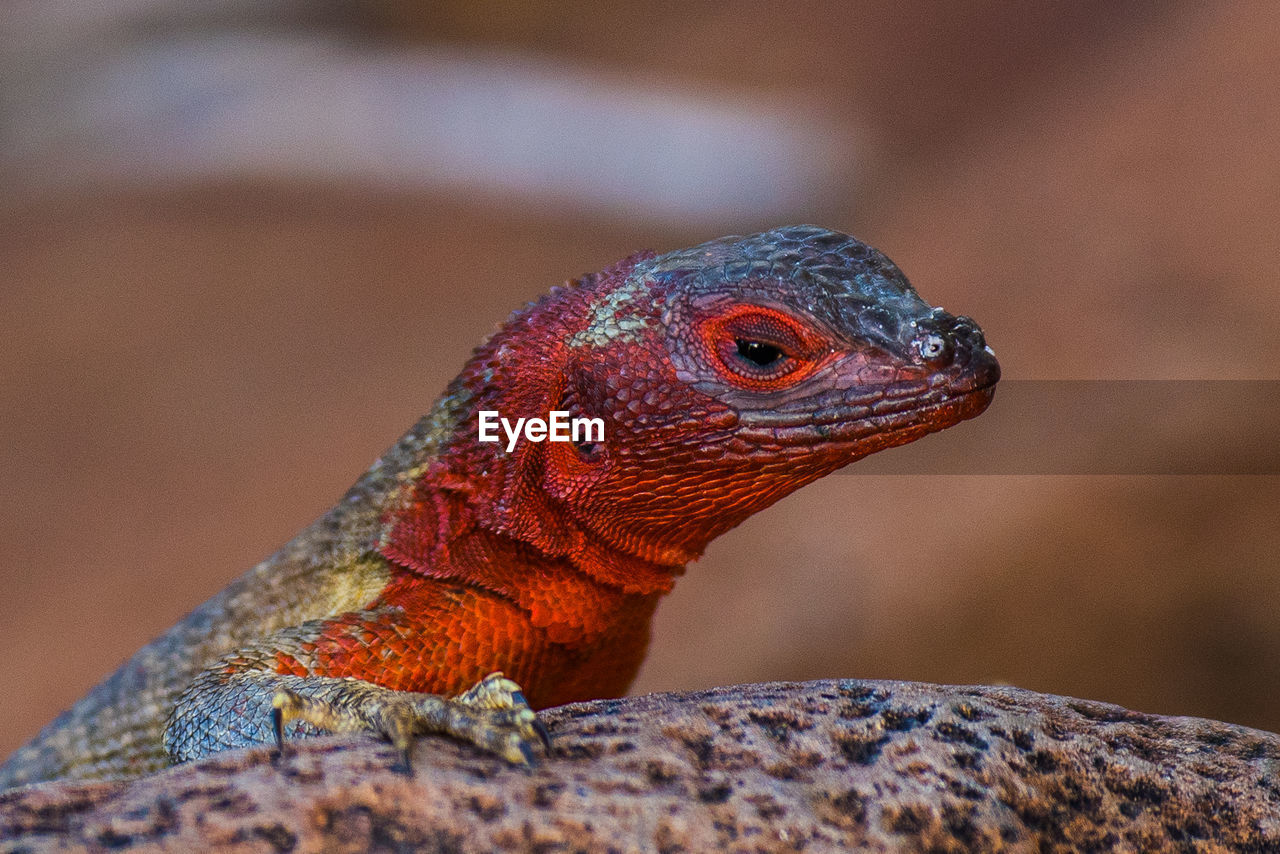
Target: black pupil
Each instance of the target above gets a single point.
(758, 352)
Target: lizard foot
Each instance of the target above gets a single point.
(492, 715)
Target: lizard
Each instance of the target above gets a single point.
(461, 585)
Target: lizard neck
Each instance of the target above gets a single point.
(461, 504)
(449, 525)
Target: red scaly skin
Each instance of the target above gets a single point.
(726, 375)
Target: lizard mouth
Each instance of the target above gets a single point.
(940, 414)
(861, 421)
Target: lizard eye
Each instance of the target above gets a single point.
(759, 353)
(759, 347)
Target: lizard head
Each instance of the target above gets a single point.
(726, 376)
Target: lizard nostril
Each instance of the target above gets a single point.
(933, 348)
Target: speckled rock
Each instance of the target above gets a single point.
(817, 766)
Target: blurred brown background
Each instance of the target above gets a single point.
(244, 247)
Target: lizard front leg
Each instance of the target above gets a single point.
(291, 684)
(492, 714)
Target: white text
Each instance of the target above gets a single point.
(557, 427)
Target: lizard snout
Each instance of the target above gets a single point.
(956, 345)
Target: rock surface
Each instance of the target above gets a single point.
(816, 766)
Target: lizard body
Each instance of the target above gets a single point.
(727, 375)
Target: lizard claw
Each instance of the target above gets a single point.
(544, 734)
(284, 705)
(404, 765)
(277, 727)
(495, 714)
